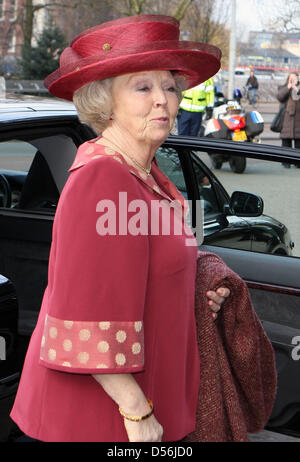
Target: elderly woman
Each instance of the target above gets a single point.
(114, 354)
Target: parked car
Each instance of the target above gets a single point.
(38, 142)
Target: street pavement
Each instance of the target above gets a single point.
(271, 437)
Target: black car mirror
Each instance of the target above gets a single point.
(244, 204)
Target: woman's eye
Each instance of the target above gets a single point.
(147, 88)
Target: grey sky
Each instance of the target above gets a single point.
(253, 14)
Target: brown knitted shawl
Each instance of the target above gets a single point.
(237, 365)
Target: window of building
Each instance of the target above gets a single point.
(13, 9)
(1, 9)
(11, 39)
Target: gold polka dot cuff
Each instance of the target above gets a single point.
(92, 347)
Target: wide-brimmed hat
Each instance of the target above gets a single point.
(128, 45)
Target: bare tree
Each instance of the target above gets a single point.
(81, 15)
(126, 7)
(182, 9)
(26, 16)
(205, 21)
(86, 13)
(177, 8)
(285, 16)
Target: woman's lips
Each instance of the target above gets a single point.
(162, 119)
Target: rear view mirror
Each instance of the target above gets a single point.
(244, 204)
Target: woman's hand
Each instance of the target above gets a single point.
(147, 430)
(127, 394)
(216, 299)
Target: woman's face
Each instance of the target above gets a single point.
(145, 105)
(293, 78)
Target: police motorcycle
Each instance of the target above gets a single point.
(229, 121)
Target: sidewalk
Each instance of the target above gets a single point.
(273, 437)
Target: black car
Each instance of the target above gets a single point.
(38, 142)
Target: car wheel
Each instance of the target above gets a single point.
(237, 164)
(5, 192)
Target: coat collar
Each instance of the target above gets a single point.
(91, 150)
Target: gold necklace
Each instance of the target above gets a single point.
(146, 170)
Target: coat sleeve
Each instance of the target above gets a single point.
(97, 277)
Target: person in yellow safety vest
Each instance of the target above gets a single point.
(194, 103)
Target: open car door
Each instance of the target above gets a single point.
(262, 250)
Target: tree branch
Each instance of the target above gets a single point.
(182, 8)
(137, 5)
(62, 5)
(116, 8)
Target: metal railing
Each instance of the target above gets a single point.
(32, 87)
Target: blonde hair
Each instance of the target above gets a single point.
(93, 101)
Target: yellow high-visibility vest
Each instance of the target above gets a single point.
(197, 99)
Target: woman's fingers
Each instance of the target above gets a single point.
(223, 292)
(217, 298)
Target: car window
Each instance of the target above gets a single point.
(207, 192)
(15, 160)
(32, 174)
(277, 231)
(16, 155)
(169, 162)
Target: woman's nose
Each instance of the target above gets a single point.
(159, 97)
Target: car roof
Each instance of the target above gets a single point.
(12, 103)
(17, 108)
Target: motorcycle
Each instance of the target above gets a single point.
(230, 121)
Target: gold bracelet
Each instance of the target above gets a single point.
(136, 418)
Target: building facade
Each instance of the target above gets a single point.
(276, 50)
(11, 34)
(70, 16)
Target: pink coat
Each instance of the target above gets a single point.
(114, 304)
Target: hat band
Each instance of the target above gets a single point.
(111, 53)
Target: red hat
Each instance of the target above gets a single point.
(128, 45)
